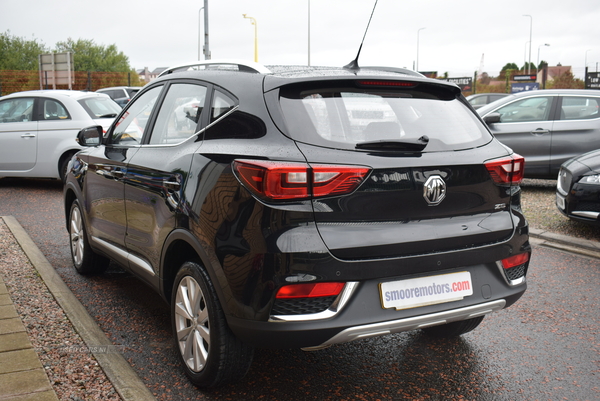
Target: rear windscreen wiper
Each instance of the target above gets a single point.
(415, 145)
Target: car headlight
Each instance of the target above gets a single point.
(590, 179)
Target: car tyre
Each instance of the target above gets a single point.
(64, 165)
(209, 352)
(453, 329)
(85, 260)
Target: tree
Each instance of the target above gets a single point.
(18, 53)
(566, 81)
(88, 56)
(509, 66)
(530, 65)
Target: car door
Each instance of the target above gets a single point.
(526, 126)
(576, 130)
(106, 174)
(157, 173)
(18, 135)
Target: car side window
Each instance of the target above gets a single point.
(53, 110)
(221, 104)
(179, 114)
(579, 108)
(16, 110)
(530, 109)
(130, 128)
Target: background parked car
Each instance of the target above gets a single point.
(38, 129)
(274, 218)
(121, 94)
(547, 127)
(481, 99)
(578, 188)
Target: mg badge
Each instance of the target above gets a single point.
(434, 190)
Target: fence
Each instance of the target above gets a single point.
(17, 81)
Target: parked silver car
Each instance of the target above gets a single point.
(38, 129)
(121, 94)
(547, 127)
(481, 99)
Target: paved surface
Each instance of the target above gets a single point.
(22, 376)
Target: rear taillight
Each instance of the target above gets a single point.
(507, 170)
(310, 290)
(287, 180)
(516, 260)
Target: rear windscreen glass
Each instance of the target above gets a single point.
(343, 117)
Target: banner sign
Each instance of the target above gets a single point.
(464, 83)
(531, 77)
(531, 86)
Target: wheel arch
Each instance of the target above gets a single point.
(69, 197)
(182, 246)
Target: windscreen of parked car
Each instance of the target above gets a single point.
(351, 113)
(100, 107)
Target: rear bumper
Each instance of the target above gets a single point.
(363, 316)
(411, 323)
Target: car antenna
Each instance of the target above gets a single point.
(353, 65)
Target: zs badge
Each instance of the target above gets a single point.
(434, 190)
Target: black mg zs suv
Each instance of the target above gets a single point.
(300, 207)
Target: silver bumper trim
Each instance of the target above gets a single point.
(589, 215)
(411, 323)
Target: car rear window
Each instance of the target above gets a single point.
(100, 107)
(346, 115)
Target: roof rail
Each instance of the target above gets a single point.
(244, 66)
(404, 71)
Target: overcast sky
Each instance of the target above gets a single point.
(457, 34)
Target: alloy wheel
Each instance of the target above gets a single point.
(192, 324)
(76, 236)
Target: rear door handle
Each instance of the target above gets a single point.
(540, 131)
(28, 136)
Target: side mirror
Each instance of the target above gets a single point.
(492, 118)
(90, 136)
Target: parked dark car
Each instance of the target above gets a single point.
(301, 208)
(547, 127)
(578, 188)
(121, 94)
(481, 99)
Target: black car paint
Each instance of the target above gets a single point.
(204, 215)
(579, 196)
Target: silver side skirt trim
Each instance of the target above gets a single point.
(109, 248)
(411, 323)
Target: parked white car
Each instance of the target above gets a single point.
(38, 129)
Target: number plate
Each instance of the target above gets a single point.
(422, 291)
(560, 202)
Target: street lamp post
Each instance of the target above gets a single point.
(253, 20)
(309, 33)
(586, 52)
(538, 61)
(417, 65)
(530, 31)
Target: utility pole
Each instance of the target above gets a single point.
(206, 49)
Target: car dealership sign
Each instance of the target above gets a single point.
(592, 80)
(530, 77)
(465, 83)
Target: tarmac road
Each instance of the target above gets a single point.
(547, 346)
